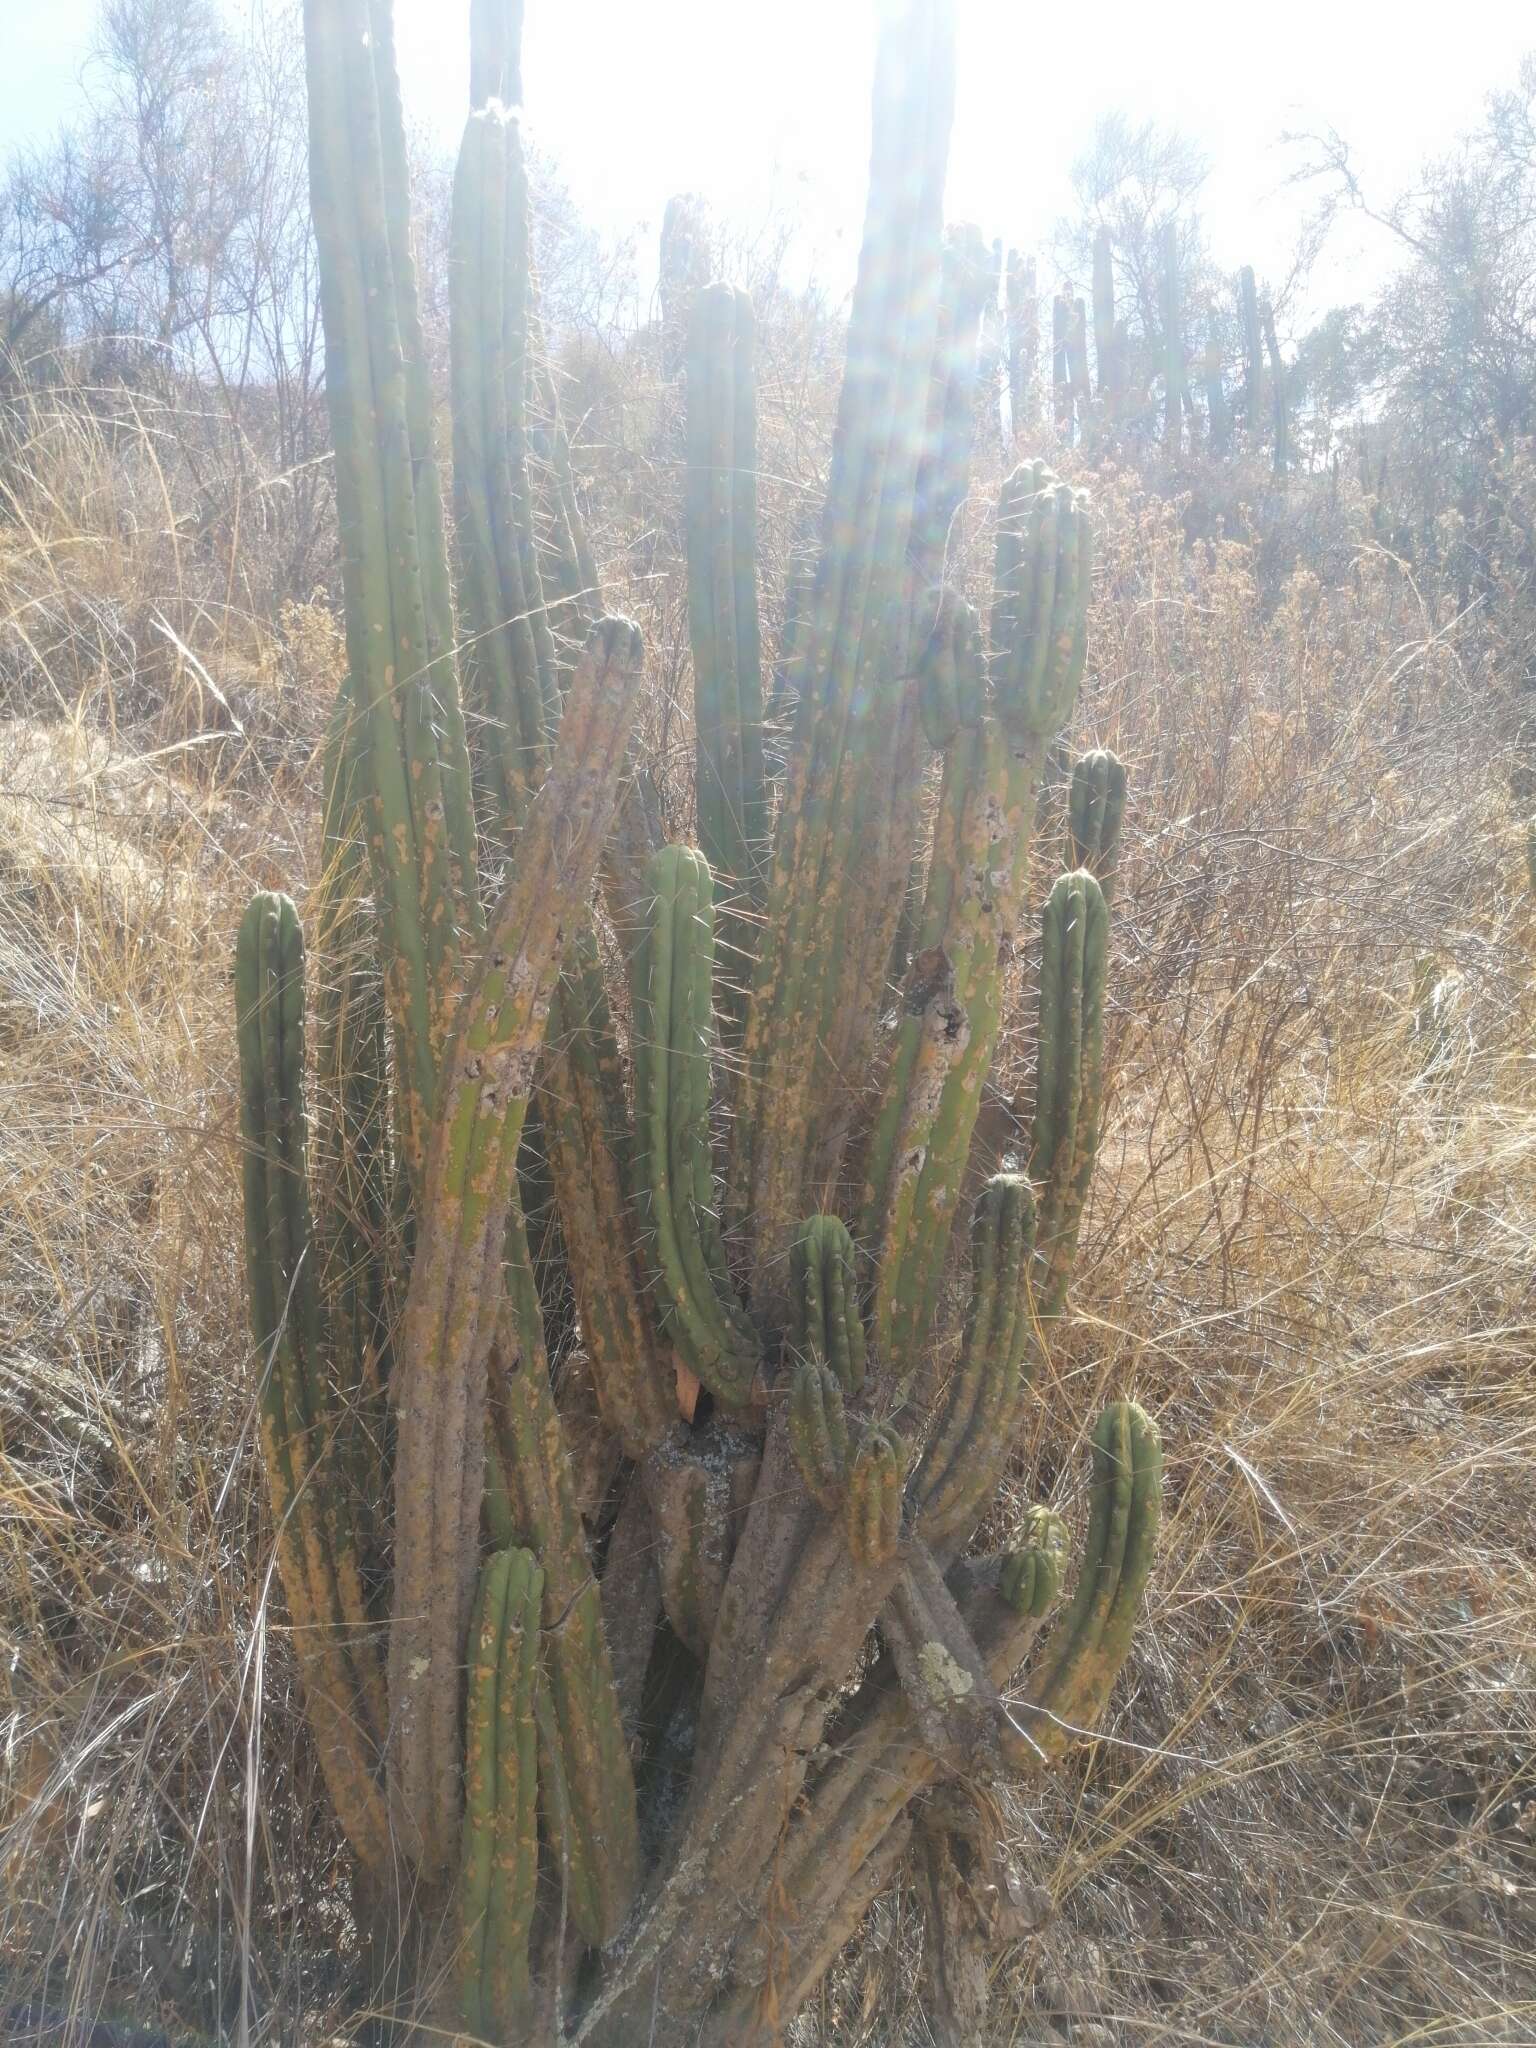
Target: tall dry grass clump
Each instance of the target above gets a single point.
(1312, 1815)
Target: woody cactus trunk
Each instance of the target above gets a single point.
(773, 1604)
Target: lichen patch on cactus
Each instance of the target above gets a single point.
(945, 1679)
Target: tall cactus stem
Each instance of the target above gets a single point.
(674, 1172)
(316, 1545)
(509, 659)
(499, 1867)
(449, 1324)
(1069, 1082)
(721, 522)
(829, 892)
(1093, 1637)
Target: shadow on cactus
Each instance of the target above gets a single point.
(778, 1567)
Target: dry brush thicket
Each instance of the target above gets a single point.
(1311, 1812)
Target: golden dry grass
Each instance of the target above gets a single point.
(1312, 1813)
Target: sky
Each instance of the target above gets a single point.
(765, 107)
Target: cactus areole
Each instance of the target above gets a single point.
(757, 1147)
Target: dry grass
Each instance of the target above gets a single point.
(1312, 1814)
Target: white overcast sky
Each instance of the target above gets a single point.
(763, 105)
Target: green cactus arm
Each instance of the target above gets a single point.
(1093, 1638)
(950, 675)
(931, 1089)
(1030, 1575)
(826, 1323)
(979, 1414)
(394, 564)
(354, 1180)
(720, 501)
(818, 1432)
(316, 1547)
(449, 1323)
(1069, 1081)
(584, 1768)
(828, 897)
(1042, 576)
(515, 1869)
(499, 1863)
(480, 1782)
(509, 664)
(872, 1498)
(674, 1178)
(582, 1099)
(1095, 815)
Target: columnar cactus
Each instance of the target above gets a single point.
(498, 1888)
(1253, 354)
(1109, 356)
(1021, 324)
(806, 1448)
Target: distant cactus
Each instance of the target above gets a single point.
(1171, 314)
(757, 1152)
